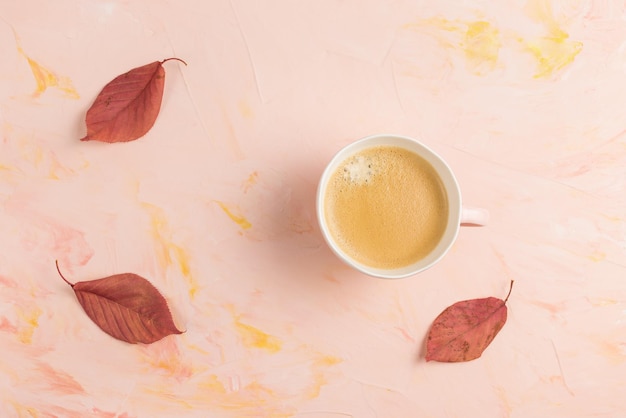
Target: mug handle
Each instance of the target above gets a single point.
(474, 216)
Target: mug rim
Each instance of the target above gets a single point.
(448, 179)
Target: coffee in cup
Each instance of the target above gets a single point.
(386, 207)
(390, 207)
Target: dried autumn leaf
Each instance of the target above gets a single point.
(125, 306)
(128, 106)
(465, 329)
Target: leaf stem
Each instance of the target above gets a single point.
(173, 58)
(510, 289)
(61, 274)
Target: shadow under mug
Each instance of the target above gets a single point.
(458, 215)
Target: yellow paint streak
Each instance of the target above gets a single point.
(245, 109)
(436, 22)
(31, 152)
(29, 321)
(597, 256)
(167, 396)
(319, 374)
(612, 351)
(260, 391)
(479, 41)
(481, 44)
(238, 219)
(448, 33)
(600, 302)
(46, 78)
(170, 363)
(24, 411)
(614, 218)
(52, 175)
(553, 54)
(212, 384)
(166, 359)
(168, 252)
(555, 51)
(328, 360)
(506, 404)
(41, 158)
(253, 399)
(250, 181)
(541, 11)
(255, 338)
(197, 348)
(183, 260)
(231, 139)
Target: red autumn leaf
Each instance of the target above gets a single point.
(125, 306)
(128, 106)
(464, 330)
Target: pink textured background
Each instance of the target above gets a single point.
(215, 206)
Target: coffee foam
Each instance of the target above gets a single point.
(359, 170)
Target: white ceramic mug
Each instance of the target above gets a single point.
(457, 214)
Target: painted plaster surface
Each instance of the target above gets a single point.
(215, 206)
